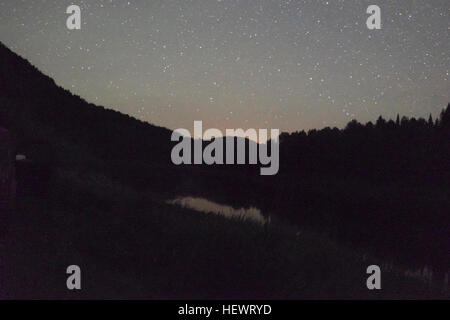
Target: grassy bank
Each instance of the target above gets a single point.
(130, 244)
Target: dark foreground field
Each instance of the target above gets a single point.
(131, 244)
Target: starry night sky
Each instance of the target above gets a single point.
(290, 65)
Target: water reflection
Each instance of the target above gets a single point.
(204, 205)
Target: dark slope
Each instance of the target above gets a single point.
(49, 123)
(30, 100)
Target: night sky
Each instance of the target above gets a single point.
(290, 65)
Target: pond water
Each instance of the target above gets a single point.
(207, 206)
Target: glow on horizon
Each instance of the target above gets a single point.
(290, 65)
